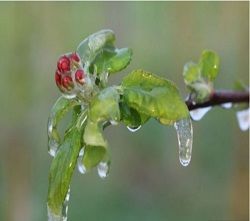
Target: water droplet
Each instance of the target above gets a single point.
(133, 129)
(199, 113)
(227, 105)
(185, 140)
(81, 168)
(103, 169)
(81, 153)
(243, 119)
(53, 146)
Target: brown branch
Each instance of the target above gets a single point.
(219, 97)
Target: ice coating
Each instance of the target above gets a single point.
(243, 119)
(199, 113)
(103, 169)
(184, 131)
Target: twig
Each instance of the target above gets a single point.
(219, 97)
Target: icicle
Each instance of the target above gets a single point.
(103, 169)
(63, 216)
(185, 140)
(199, 113)
(227, 105)
(81, 168)
(133, 129)
(243, 119)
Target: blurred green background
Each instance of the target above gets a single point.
(146, 181)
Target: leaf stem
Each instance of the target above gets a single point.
(219, 97)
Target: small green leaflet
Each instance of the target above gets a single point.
(92, 45)
(206, 70)
(209, 65)
(199, 77)
(112, 60)
(102, 56)
(104, 108)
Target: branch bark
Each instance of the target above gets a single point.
(219, 97)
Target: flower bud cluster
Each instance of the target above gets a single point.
(70, 77)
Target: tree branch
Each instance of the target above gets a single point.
(219, 97)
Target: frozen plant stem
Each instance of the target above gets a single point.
(219, 97)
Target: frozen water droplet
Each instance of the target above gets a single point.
(81, 153)
(243, 119)
(81, 168)
(199, 113)
(103, 169)
(133, 129)
(53, 146)
(185, 140)
(227, 105)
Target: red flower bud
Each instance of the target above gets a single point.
(75, 57)
(63, 64)
(67, 82)
(79, 76)
(58, 78)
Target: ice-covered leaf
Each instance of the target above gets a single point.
(58, 111)
(191, 73)
(61, 170)
(153, 96)
(92, 45)
(103, 108)
(130, 117)
(112, 60)
(93, 134)
(209, 65)
(199, 77)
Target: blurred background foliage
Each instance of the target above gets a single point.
(146, 180)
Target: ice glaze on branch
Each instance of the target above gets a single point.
(220, 97)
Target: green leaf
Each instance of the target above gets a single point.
(209, 65)
(153, 96)
(112, 60)
(239, 85)
(61, 170)
(93, 134)
(130, 117)
(104, 107)
(92, 45)
(58, 111)
(191, 73)
(93, 155)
